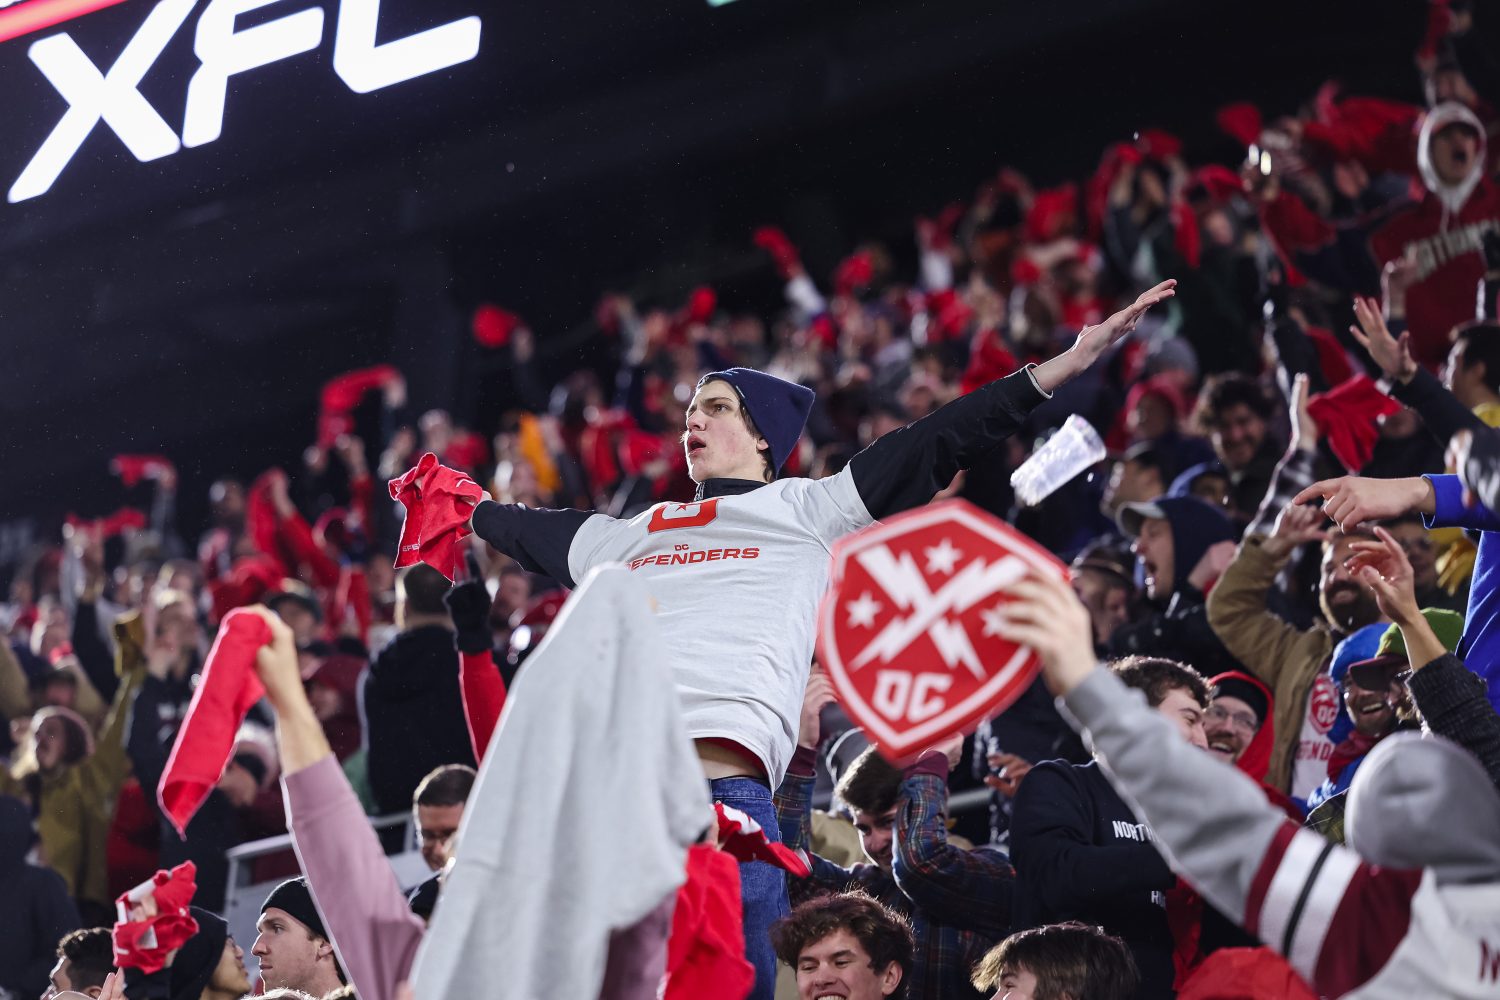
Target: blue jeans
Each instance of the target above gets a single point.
(762, 886)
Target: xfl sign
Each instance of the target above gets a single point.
(112, 96)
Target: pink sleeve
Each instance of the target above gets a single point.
(374, 931)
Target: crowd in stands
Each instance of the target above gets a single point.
(1288, 563)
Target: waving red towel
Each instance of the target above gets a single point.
(145, 944)
(123, 520)
(227, 689)
(439, 502)
(1346, 416)
(133, 468)
(342, 394)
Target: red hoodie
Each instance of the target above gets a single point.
(1443, 233)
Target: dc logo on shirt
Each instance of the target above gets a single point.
(1323, 704)
(683, 515)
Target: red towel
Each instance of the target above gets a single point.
(226, 690)
(145, 944)
(439, 502)
(133, 468)
(123, 520)
(1346, 416)
(744, 840)
(706, 952)
(342, 394)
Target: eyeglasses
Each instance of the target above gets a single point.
(1243, 721)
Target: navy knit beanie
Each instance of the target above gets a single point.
(777, 408)
(294, 897)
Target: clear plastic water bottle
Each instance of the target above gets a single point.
(1073, 449)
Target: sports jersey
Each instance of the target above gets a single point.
(737, 574)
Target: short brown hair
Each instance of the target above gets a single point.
(1068, 960)
(1230, 389)
(883, 933)
(1157, 677)
(447, 785)
(871, 784)
(90, 954)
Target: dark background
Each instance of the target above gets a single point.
(193, 305)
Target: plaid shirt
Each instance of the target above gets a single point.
(958, 901)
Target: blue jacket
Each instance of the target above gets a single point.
(1480, 646)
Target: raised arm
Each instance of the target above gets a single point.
(969, 889)
(537, 538)
(352, 883)
(479, 679)
(906, 468)
(1236, 608)
(1452, 700)
(1333, 917)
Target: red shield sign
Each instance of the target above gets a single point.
(908, 630)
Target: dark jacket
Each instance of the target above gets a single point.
(1453, 702)
(1080, 854)
(1180, 629)
(38, 911)
(413, 714)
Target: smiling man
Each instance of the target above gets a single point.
(1081, 854)
(293, 948)
(846, 946)
(738, 573)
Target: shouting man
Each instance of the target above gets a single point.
(739, 572)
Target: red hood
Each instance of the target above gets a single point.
(1256, 760)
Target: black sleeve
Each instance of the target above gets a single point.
(1452, 700)
(1439, 409)
(98, 663)
(906, 468)
(1481, 473)
(143, 743)
(535, 537)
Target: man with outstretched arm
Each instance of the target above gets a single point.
(738, 572)
(1410, 908)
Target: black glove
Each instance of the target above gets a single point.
(469, 605)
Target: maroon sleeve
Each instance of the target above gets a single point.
(1336, 918)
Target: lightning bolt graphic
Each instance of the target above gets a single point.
(904, 583)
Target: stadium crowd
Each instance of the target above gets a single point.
(1289, 554)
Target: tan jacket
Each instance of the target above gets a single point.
(1287, 659)
(78, 802)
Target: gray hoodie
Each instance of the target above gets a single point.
(1412, 908)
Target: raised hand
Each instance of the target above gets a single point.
(818, 694)
(1093, 341)
(1296, 525)
(952, 748)
(1047, 616)
(1383, 566)
(1392, 355)
(1350, 500)
(1011, 769)
(276, 663)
